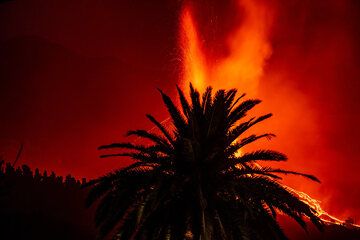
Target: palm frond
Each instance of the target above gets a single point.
(184, 103)
(240, 111)
(241, 128)
(262, 155)
(152, 149)
(206, 99)
(151, 136)
(309, 176)
(175, 114)
(232, 149)
(195, 99)
(191, 179)
(161, 128)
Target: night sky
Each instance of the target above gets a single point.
(78, 74)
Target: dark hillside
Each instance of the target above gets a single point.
(36, 205)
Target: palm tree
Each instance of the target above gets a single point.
(191, 182)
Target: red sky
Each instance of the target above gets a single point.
(78, 74)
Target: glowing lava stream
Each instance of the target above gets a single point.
(320, 212)
(249, 49)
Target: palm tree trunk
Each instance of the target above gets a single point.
(168, 233)
(222, 230)
(202, 204)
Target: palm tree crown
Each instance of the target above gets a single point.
(191, 183)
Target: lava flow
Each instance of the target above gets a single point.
(326, 217)
(248, 50)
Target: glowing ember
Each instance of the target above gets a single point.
(249, 48)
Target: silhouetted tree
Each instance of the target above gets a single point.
(192, 182)
(24, 173)
(37, 175)
(36, 206)
(9, 170)
(45, 174)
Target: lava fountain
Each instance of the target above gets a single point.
(248, 51)
(248, 48)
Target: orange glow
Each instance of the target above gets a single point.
(326, 217)
(194, 65)
(248, 50)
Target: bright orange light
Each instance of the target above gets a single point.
(326, 217)
(242, 68)
(248, 50)
(193, 59)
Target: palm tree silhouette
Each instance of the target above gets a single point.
(191, 183)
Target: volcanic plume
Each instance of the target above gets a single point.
(76, 75)
(247, 49)
(244, 61)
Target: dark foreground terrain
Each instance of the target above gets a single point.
(36, 205)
